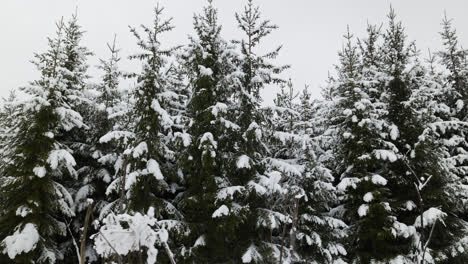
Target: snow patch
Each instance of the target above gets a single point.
(185, 137)
(243, 162)
(348, 182)
(55, 156)
(363, 210)
(140, 149)
(22, 241)
(205, 71)
(368, 197)
(251, 254)
(384, 154)
(221, 211)
(378, 180)
(200, 241)
(39, 171)
(430, 216)
(153, 168)
(23, 211)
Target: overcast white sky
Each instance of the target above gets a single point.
(310, 30)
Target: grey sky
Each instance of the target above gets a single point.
(310, 30)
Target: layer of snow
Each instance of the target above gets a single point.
(257, 79)
(208, 137)
(394, 132)
(229, 192)
(348, 182)
(166, 120)
(286, 166)
(271, 181)
(127, 233)
(153, 168)
(200, 241)
(39, 171)
(430, 216)
(140, 149)
(363, 209)
(243, 162)
(115, 135)
(219, 108)
(205, 71)
(251, 254)
(384, 154)
(221, 211)
(23, 211)
(22, 241)
(185, 137)
(49, 134)
(378, 180)
(368, 197)
(410, 205)
(59, 155)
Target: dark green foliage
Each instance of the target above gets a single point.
(32, 191)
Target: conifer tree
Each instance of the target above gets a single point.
(362, 153)
(455, 131)
(149, 157)
(249, 167)
(209, 63)
(419, 165)
(146, 166)
(7, 110)
(36, 202)
(98, 159)
(76, 79)
(316, 234)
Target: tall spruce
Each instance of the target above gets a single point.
(316, 233)
(209, 63)
(362, 153)
(454, 114)
(37, 205)
(420, 179)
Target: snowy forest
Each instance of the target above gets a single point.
(181, 161)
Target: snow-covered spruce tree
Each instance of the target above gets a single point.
(306, 194)
(245, 227)
(316, 235)
(209, 63)
(7, 110)
(455, 133)
(76, 79)
(146, 166)
(97, 159)
(362, 152)
(36, 202)
(420, 180)
(114, 134)
(150, 159)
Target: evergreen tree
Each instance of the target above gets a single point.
(419, 166)
(76, 79)
(7, 110)
(453, 111)
(148, 178)
(248, 172)
(209, 63)
(362, 153)
(36, 202)
(148, 158)
(97, 158)
(317, 234)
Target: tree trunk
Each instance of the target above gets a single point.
(85, 232)
(294, 224)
